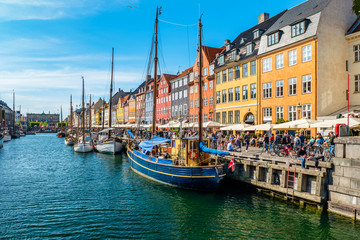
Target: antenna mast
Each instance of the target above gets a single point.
(158, 12)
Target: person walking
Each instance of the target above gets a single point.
(266, 142)
(247, 141)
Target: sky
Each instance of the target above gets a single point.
(46, 46)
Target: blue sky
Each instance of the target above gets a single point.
(47, 45)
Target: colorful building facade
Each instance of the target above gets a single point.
(163, 101)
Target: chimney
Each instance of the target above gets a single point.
(263, 17)
(227, 41)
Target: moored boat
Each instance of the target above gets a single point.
(7, 137)
(69, 141)
(1, 141)
(83, 147)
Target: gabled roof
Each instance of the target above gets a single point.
(4, 105)
(355, 27)
(168, 78)
(98, 104)
(136, 91)
(210, 52)
(299, 12)
(185, 72)
(118, 95)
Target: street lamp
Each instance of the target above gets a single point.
(298, 108)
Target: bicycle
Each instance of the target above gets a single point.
(329, 152)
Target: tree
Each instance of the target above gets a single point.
(356, 7)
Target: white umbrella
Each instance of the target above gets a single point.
(212, 124)
(235, 127)
(297, 124)
(353, 122)
(261, 127)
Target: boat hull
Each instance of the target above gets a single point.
(1, 141)
(83, 148)
(7, 138)
(69, 142)
(111, 147)
(202, 178)
(15, 135)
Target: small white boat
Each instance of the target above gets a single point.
(1, 141)
(83, 147)
(7, 138)
(110, 146)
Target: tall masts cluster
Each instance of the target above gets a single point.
(158, 12)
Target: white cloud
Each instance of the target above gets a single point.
(51, 9)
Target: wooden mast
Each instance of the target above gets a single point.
(200, 85)
(90, 115)
(111, 87)
(83, 112)
(158, 12)
(71, 115)
(61, 127)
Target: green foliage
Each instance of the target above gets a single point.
(33, 124)
(280, 120)
(64, 124)
(356, 7)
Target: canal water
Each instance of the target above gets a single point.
(49, 192)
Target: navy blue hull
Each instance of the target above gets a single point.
(204, 178)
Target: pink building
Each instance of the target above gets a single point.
(163, 102)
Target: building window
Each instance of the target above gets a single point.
(195, 118)
(196, 103)
(218, 78)
(267, 64)
(292, 113)
(191, 77)
(249, 49)
(280, 88)
(253, 91)
(230, 74)
(279, 61)
(211, 101)
(205, 102)
(191, 90)
(205, 117)
(211, 69)
(211, 84)
(191, 103)
(185, 93)
(230, 117)
(233, 55)
(253, 67)
(185, 81)
(279, 113)
(357, 53)
(223, 118)
(273, 39)
(306, 53)
(205, 71)
(224, 76)
(357, 83)
(205, 86)
(256, 34)
(237, 72)
(244, 70)
(221, 60)
(298, 29)
(306, 111)
(245, 92)
(196, 88)
(237, 94)
(267, 115)
(237, 116)
(224, 96)
(306, 83)
(267, 90)
(292, 86)
(218, 117)
(180, 95)
(231, 94)
(218, 97)
(292, 57)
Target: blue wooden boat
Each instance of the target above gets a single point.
(178, 164)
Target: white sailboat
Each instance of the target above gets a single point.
(106, 143)
(69, 141)
(84, 144)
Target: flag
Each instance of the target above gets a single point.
(232, 164)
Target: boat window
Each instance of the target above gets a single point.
(173, 143)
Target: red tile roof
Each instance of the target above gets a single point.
(185, 72)
(210, 52)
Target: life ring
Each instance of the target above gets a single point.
(193, 155)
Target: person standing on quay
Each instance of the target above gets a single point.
(247, 140)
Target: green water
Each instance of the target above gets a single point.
(49, 192)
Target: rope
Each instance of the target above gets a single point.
(183, 25)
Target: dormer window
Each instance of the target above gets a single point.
(256, 34)
(273, 38)
(221, 60)
(227, 47)
(249, 49)
(298, 29)
(233, 55)
(242, 40)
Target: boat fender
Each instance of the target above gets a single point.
(193, 154)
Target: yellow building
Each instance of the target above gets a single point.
(237, 76)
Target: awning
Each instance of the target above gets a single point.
(146, 146)
(235, 127)
(297, 124)
(261, 127)
(353, 122)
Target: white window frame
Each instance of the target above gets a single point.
(306, 84)
(280, 88)
(280, 61)
(357, 83)
(279, 113)
(292, 115)
(267, 64)
(267, 90)
(267, 114)
(292, 57)
(306, 111)
(306, 53)
(292, 86)
(211, 84)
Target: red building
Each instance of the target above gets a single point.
(163, 102)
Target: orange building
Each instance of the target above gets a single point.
(208, 55)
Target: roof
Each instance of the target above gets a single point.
(185, 72)
(299, 12)
(355, 27)
(210, 52)
(117, 95)
(168, 78)
(248, 35)
(139, 87)
(98, 104)
(4, 105)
